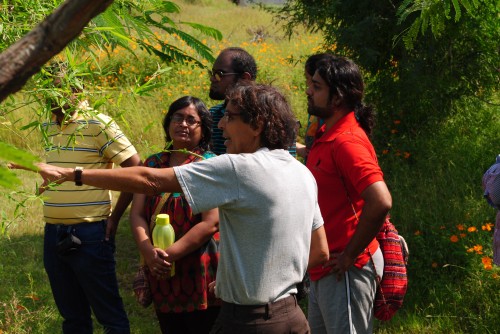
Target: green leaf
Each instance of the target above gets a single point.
(458, 11)
(13, 154)
(208, 31)
(8, 179)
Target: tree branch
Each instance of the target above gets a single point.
(25, 58)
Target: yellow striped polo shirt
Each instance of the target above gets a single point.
(90, 140)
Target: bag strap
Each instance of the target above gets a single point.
(158, 208)
(152, 223)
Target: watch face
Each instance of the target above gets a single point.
(78, 176)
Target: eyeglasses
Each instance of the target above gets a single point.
(218, 75)
(229, 115)
(179, 119)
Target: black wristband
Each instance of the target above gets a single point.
(78, 176)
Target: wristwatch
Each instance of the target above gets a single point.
(78, 176)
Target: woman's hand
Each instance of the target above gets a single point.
(158, 264)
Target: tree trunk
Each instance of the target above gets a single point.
(25, 58)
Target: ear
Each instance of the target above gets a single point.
(258, 129)
(336, 101)
(246, 76)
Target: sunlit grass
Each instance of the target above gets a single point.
(434, 181)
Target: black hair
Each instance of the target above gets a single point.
(201, 109)
(312, 62)
(263, 104)
(344, 79)
(242, 61)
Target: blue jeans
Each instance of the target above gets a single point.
(85, 279)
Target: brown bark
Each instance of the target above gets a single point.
(25, 58)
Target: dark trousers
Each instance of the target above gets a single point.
(85, 279)
(196, 322)
(283, 316)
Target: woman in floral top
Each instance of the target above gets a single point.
(182, 302)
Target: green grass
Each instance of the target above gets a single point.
(434, 178)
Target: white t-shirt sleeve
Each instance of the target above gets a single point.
(318, 218)
(209, 183)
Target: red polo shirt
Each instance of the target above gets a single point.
(344, 150)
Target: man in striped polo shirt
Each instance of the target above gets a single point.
(80, 226)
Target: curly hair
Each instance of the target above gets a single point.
(201, 109)
(263, 104)
(344, 79)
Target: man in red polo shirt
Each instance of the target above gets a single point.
(353, 198)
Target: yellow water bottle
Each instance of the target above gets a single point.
(164, 235)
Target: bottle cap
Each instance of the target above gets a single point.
(162, 219)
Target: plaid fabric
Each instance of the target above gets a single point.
(394, 283)
(141, 287)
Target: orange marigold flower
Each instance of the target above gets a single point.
(495, 276)
(397, 122)
(454, 238)
(487, 227)
(470, 250)
(417, 232)
(406, 155)
(460, 227)
(434, 265)
(442, 227)
(463, 235)
(385, 151)
(472, 229)
(478, 249)
(394, 131)
(487, 263)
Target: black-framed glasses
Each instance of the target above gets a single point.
(190, 120)
(229, 115)
(219, 74)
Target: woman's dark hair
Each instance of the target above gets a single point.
(201, 109)
(262, 104)
(344, 78)
(242, 61)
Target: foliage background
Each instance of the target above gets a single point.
(437, 133)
